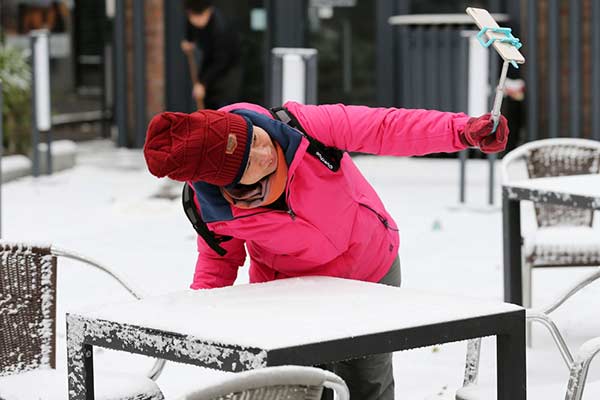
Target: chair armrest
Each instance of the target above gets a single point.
(572, 290)
(159, 364)
(580, 368)
(56, 251)
(546, 321)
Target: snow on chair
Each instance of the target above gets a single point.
(565, 237)
(28, 293)
(577, 364)
(274, 383)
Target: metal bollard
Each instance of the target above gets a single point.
(40, 97)
(1, 150)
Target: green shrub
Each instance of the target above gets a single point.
(15, 74)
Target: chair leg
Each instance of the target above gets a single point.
(526, 280)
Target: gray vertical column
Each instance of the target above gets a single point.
(312, 79)
(445, 71)
(386, 55)
(139, 68)
(1, 150)
(35, 133)
(347, 56)
(531, 71)
(595, 111)
(434, 60)
(120, 74)
(553, 68)
(177, 77)
(407, 67)
(417, 78)
(575, 65)
(462, 71)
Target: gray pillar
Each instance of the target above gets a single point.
(595, 71)
(386, 65)
(575, 63)
(553, 68)
(35, 133)
(287, 23)
(295, 62)
(178, 89)
(531, 71)
(139, 69)
(120, 74)
(1, 150)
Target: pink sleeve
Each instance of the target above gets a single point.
(383, 131)
(212, 270)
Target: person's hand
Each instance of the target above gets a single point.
(478, 133)
(199, 92)
(187, 47)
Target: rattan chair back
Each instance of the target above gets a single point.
(560, 160)
(27, 308)
(287, 392)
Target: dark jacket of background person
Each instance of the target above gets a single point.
(220, 65)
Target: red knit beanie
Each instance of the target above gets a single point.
(209, 146)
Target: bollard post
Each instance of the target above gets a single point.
(40, 93)
(294, 75)
(1, 149)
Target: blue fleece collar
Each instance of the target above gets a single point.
(213, 205)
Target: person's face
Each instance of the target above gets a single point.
(262, 160)
(200, 20)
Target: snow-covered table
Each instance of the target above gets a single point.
(581, 191)
(302, 321)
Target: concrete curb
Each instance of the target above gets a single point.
(18, 166)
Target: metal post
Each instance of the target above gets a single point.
(299, 63)
(1, 149)
(531, 69)
(492, 161)
(575, 62)
(40, 57)
(463, 167)
(120, 74)
(35, 133)
(595, 71)
(553, 68)
(139, 67)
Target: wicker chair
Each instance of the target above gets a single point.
(274, 383)
(28, 293)
(552, 244)
(577, 364)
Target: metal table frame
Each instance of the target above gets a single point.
(83, 333)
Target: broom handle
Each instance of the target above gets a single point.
(193, 74)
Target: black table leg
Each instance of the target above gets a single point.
(511, 234)
(511, 362)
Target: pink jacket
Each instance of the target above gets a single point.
(336, 224)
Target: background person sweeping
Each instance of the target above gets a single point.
(217, 79)
(300, 205)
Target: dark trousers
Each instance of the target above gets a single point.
(371, 377)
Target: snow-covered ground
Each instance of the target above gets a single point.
(107, 208)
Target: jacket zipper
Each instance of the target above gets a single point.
(380, 217)
(287, 200)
